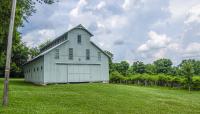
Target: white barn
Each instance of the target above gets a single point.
(71, 57)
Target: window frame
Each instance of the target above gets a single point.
(71, 54)
(99, 56)
(79, 39)
(87, 51)
(57, 52)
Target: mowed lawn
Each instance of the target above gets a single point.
(97, 98)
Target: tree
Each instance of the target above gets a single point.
(138, 67)
(19, 56)
(33, 52)
(150, 69)
(175, 71)
(188, 71)
(163, 65)
(195, 63)
(121, 67)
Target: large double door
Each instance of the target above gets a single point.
(78, 73)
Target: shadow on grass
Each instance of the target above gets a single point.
(18, 82)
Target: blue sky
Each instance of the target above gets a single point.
(132, 30)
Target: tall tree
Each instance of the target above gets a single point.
(138, 67)
(163, 65)
(121, 67)
(150, 69)
(195, 63)
(188, 71)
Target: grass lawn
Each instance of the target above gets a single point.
(87, 98)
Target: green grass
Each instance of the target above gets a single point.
(87, 98)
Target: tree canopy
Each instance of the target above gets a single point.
(20, 51)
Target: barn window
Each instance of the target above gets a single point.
(37, 68)
(79, 39)
(99, 56)
(65, 37)
(34, 69)
(87, 54)
(41, 67)
(70, 53)
(56, 54)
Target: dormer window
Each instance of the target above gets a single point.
(79, 39)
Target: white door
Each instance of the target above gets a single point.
(61, 73)
(95, 71)
(83, 73)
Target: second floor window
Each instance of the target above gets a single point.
(57, 54)
(79, 39)
(70, 53)
(99, 56)
(87, 54)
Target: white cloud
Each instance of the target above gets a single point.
(126, 4)
(194, 14)
(156, 41)
(176, 47)
(77, 10)
(101, 5)
(160, 54)
(179, 8)
(193, 48)
(35, 38)
(130, 4)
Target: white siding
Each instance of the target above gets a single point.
(34, 71)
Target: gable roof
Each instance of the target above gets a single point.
(83, 28)
(65, 34)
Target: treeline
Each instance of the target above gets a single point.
(160, 73)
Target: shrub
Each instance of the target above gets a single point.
(116, 77)
(196, 82)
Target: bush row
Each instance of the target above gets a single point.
(155, 80)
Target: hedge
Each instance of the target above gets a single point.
(155, 80)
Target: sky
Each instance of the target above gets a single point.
(133, 30)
